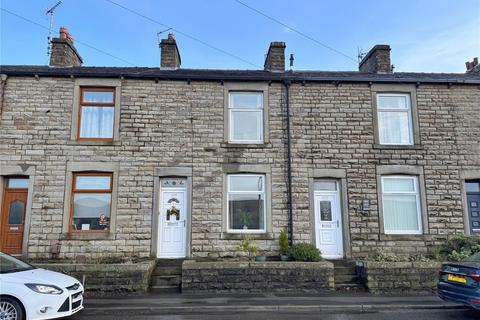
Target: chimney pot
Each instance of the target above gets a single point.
(377, 60)
(63, 52)
(275, 60)
(169, 53)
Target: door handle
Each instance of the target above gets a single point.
(338, 224)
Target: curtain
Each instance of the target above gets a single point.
(97, 122)
(400, 213)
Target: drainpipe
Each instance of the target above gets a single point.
(287, 83)
(3, 80)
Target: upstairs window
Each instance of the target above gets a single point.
(401, 205)
(246, 203)
(91, 202)
(97, 113)
(245, 111)
(394, 114)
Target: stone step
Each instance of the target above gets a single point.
(170, 262)
(344, 270)
(343, 263)
(167, 270)
(349, 287)
(347, 278)
(166, 289)
(170, 280)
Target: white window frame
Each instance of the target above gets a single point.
(231, 110)
(416, 193)
(407, 110)
(261, 192)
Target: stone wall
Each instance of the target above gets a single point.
(180, 123)
(398, 277)
(237, 277)
(107, 279)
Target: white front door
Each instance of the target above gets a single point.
(173, 216)
(328, 219)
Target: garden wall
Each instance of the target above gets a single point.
(106, 279)
(257, 276)
(398, 277)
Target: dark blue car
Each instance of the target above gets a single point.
(459, 282)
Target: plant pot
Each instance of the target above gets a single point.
(260, 258)
(284, 257)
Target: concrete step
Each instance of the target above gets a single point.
(167, 270)
(169, 280)
(166, 289)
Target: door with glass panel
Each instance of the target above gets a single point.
(172, 235)
(473, 204)
(328, 219)
(13, 215)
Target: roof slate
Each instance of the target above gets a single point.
(240, 75)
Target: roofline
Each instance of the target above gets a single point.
(210, 75)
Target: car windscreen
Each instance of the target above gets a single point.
(473, 258)
(9, 264)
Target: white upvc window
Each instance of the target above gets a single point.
(245, 113)
(395, 124)
(402, 213)
(246, 212)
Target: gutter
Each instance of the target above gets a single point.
(287, 83)
(186, 75)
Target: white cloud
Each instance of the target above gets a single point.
(446, 51)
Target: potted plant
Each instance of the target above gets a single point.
(245, 218)
(260, 258)
(283, 242)
(247, 246)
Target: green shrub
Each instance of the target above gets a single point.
(247, 246)
(379, 256)
(459, 247)
(283, 241)
(304, 252)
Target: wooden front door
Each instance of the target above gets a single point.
(13, 219)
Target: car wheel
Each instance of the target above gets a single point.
(10, 309)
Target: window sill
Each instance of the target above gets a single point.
(246, 145)
(403, 237)
(87, 236)
(93, 142)
(397, 147)
(240, 236)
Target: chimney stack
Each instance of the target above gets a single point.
(169, 56)
(275, 60)
(377, 60)
(473, 66)
(63, 52)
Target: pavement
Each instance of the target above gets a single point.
(153, 304)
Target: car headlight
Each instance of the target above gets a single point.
(44, 288)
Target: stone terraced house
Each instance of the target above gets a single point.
(170, 162)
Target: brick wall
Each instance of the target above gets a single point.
(173, 123)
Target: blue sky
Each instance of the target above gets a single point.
(425, 35)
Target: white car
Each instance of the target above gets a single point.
(28, 293)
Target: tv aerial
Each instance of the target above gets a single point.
(50, 12)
